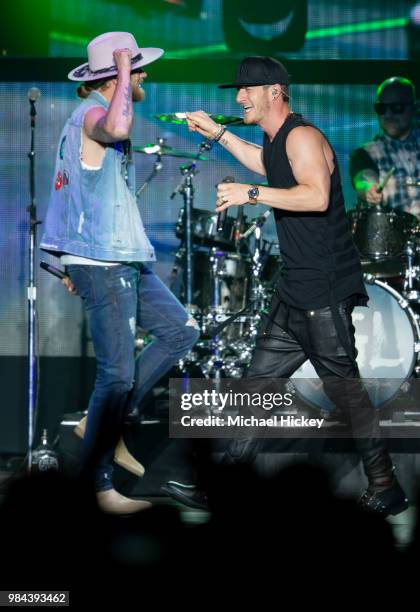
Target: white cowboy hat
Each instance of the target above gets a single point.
(101, 63)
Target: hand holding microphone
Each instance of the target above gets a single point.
(65, 279)
(221, 216)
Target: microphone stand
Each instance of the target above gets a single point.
(31, 293)
(257, 294)
(157, 167)
(186, 189)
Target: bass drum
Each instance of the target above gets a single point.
(381, 232)
(387, 337)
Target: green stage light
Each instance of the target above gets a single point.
(340, 30)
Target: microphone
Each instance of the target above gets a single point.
(259, 222)
(53, 270)
(221, 216)
(33, 94)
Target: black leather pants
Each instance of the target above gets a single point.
(287, 338)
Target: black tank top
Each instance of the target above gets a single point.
(321, 263)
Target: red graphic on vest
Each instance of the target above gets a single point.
(58, 183)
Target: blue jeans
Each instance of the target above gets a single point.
(117, 298)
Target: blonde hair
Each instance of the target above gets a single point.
(285, 92)
(87, 87)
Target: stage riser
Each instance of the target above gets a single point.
(166, 459)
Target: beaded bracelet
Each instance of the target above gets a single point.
(221, 130)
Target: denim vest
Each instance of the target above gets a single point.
(93, 213)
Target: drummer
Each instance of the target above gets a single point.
(392, 158)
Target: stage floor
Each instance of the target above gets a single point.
(402, 525)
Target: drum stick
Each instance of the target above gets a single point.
(385, 179)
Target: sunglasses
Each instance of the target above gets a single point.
(397, 108)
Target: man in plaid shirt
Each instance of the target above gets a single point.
(396, 146)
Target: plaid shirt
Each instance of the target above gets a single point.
(387, 152)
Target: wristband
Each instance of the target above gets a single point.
(217, 136)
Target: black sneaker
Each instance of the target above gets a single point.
(189, 495)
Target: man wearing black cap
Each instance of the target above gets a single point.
(321, 283)
(396, 146)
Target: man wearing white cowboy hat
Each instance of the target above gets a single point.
(94, 225)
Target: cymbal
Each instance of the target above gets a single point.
(180, 119)
(157, 149)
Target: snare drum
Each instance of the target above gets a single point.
(204, 229)
(387, 340)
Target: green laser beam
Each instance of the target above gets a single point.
(69, 38)
(195, 51)
(178, 54)
(352, 28)
(349, 28)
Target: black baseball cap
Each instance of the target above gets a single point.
(259, 70)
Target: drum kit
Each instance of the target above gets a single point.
(387, 333)
(226, 277)
(224, 274)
